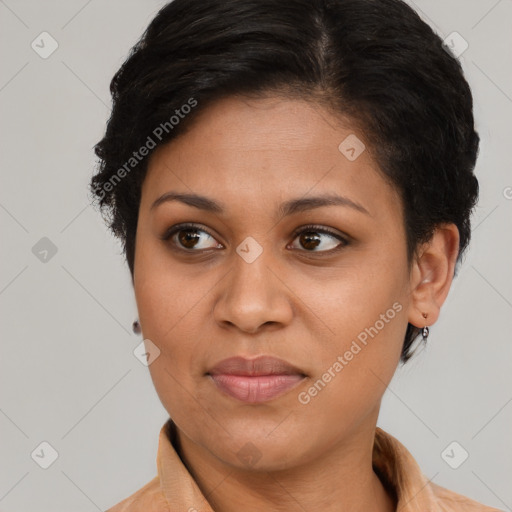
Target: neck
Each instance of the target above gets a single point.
(342, 479)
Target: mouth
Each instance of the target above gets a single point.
(255, 380)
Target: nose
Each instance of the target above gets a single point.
(253, 295)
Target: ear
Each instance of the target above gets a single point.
(432, 274)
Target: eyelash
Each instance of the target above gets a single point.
(303, 229)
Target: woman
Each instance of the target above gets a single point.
(292, 183)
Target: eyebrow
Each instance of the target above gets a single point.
(289, 207)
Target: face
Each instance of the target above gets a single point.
(323, 287)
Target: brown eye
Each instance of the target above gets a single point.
(190, 237)
(312, 237)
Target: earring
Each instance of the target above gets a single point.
(425, 330)
(136, 327)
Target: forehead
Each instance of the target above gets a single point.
(258, 151)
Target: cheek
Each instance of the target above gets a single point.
(163, 293)
(365, 311)
(367, 291)
(171, 306)
(355, 370)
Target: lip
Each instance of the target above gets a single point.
(255, 380)
(261, 365)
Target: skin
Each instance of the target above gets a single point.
(294, 301)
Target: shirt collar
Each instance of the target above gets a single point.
(396, 467)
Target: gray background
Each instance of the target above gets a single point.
(67, 372)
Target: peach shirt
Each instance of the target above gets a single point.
(174, 489)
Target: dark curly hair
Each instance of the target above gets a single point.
(374, 62)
